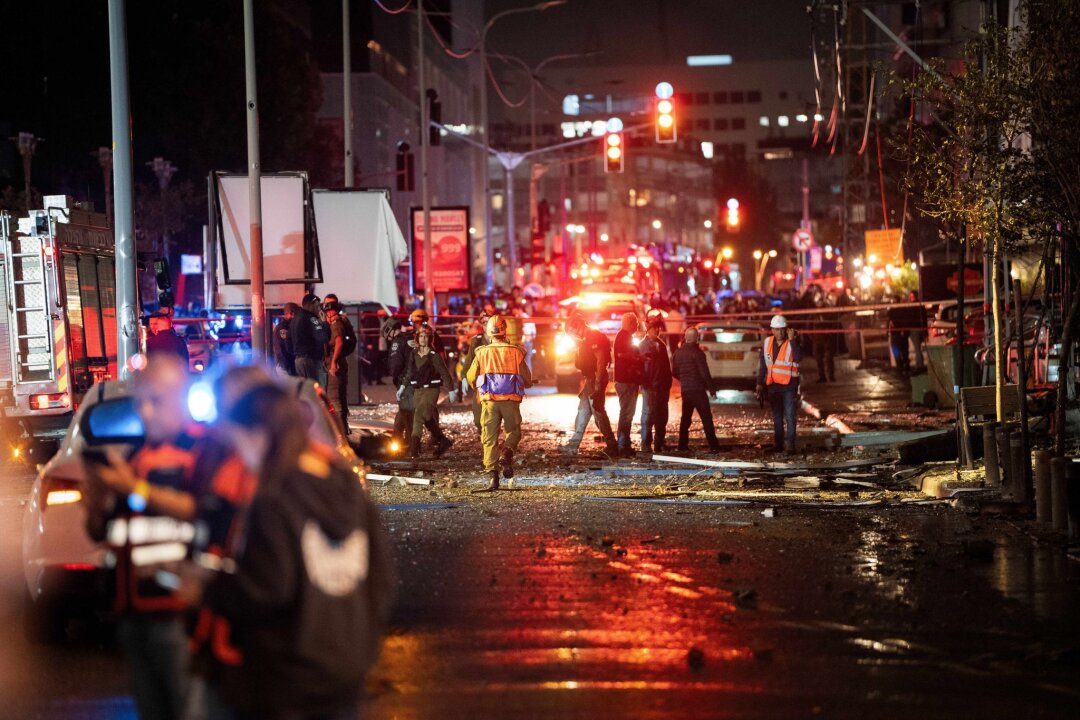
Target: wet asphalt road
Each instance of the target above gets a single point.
(543, 603)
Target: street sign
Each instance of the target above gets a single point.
(191, 265)
(802, 239)
(884, 245)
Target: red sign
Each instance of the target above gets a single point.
(450, 256)
(973, 282)
(801, 240)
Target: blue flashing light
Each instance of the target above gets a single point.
(202, 406)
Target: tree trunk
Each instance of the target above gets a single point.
(999, 358)
(1064, 368)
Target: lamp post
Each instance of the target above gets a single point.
(762, 259)
(486, 175)
(163, 171)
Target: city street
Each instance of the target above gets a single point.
(560, 602)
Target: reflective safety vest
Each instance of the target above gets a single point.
(779, 366)
(497, 376)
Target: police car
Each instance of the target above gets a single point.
(64, 570)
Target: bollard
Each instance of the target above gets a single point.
(1059, 512)
(1042, 486)
(990, 455)
(1001, 436)
(1017, 474)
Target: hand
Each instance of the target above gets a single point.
(117, 475)
(400, 392)
(454, 397)
(759, 389)
(464, 386)
(792, 333)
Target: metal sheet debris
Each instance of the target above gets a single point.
(404, 480)
(666, 501)
(886, 437)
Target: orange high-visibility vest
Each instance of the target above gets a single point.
(779, 366)
(497, 375)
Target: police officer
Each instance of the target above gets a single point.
(500, 374)
(592, 359)
(337, 368)
(426, 376)
(778, 373)
(309, 337)
(689, 366)
(283, 348)
(656, 386)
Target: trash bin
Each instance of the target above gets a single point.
(939, 373)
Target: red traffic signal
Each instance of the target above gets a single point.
(613, 152)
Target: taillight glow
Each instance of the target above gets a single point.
(63, 497)
(50, 402)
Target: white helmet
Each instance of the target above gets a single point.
(778, 321)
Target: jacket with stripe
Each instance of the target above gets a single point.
(499, 372)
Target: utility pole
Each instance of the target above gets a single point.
(485, 171)
(429, 288)
(127, 342)
(255, 251)
(346, 94)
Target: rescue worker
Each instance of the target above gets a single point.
(283, 349)
(419, 318)
(500, 374)
(342, 336)
(778, 374)
(426, 376)
(132, 505)
(398, 352)
(309, 337)
(479, 339)
(629, 369)
(592, 359)
(691, 369)
(656, 386)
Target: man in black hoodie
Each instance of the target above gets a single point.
(691, 369)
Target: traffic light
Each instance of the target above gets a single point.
(665, 114)
(434, 116)
(732, 214)
(613, 152)
(405, 174)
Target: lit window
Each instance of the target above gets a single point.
(783, 121)
(763, 121)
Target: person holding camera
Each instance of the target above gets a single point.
(778, 375)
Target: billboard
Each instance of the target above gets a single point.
(450, 261)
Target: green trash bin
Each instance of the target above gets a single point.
(937, 388)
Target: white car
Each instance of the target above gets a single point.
(732, 351)
(64, 569)
(602, 311)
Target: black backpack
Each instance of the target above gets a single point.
(348, 337)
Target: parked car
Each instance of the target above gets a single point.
(65, 572)
(732, 351)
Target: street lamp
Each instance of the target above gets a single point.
(489, 240)
(708, 224)
(759, 271)
(727, 253)
(657, 224)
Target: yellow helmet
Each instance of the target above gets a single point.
(496, 326)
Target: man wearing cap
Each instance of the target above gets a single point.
(778, 373)
(500, 375)
(309, 336)
(691, 369)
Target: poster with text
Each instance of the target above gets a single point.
(450, 261)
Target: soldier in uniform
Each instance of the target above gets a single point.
(426, 376)
(342, 336)
(500, 374)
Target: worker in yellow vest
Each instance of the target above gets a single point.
(778, 374)
(500, 375)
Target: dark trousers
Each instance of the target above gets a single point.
(696, 401)
(337, 392)
(784, 400)
(654, 418)
(823, 356)
(157, 650)
(309, 368)
(628, 395)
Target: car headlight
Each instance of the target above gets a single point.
(564, 344)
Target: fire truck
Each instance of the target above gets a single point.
(57, 314)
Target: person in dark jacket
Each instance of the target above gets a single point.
(283, 348)
(337, 360)
(425, 377)
(309, 337)
(163, 339)
(629, 369)
(691, 369)
(656, 387)
(311, 592)
(592, 359)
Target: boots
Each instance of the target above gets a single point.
(493, 485)
(506, 462)
(442, 444)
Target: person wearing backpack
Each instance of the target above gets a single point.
(310, 594)
(342, 345)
